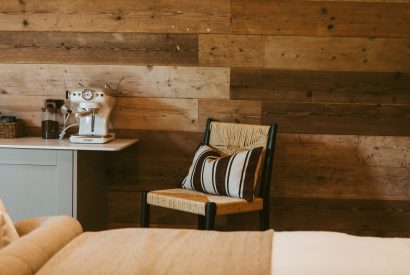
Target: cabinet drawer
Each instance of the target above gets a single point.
(28, 156)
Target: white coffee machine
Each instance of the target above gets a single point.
(92, 107)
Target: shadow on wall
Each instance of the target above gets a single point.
(353, 184)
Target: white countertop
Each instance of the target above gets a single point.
(65, 144)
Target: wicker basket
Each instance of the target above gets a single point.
(12, 129)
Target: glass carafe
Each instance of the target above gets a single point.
(50, 122)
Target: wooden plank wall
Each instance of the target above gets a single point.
(335, 76)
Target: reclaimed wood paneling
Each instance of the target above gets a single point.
(329, 166)
(131, 81)
(337, 53)
(329, 68)
(240, 111)
(124, 207)
(320, 86)
(380, 218)
(332, 118)
(98, 48)
(322, 166)
(342, 150)
(183, 16)
(156, 113)
(328, 176)
(335, 182)
(163, 161)
(27, 108)
(324, 18)
(231, 50)
(360, 217)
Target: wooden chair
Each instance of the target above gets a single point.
(227, 138)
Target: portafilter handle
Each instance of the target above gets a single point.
(85, 113)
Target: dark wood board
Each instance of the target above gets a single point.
(180, 16)
(98, 48)
(163, 160)
(231, 50)
(379, 218)
(335, 182)
(238, 111)
(331, 118)
(320, 86)
(321, 18)
(337, 53)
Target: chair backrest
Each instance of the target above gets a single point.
(230, 138)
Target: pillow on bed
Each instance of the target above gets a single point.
(233, 176)
(8, 232)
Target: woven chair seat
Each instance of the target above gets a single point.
(194, 202)
(226, 139)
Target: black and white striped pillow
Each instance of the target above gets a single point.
(232, 176)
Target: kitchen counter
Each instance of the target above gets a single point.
(65, 144)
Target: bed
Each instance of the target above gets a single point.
(318, 253)
(57, 245)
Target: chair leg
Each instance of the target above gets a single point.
(210, 212)
(201, 222)
(264, 219)
(145, 207)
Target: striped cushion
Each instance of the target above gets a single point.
(232, 176)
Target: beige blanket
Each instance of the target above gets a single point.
(164, 251)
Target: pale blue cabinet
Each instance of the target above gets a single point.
(55, 177)
(35, 182)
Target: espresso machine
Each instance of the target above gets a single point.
(92, 108)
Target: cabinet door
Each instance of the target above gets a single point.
(36, 182)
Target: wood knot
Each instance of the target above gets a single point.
(397, 75)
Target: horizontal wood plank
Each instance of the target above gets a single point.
(362, 1)
(163, 161)
(342, 151)
(99, 48)
(156, 113)
(27, 108)
(320, 86)
(337, 53)
(349, 182)
(332, 118)
(381, 218)
(239, 111)
(183, 16)
(131, 81)
(360, 217)
(231, 50)
(321, 18)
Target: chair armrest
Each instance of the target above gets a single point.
(41, 239)
(25, 226)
